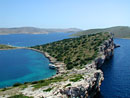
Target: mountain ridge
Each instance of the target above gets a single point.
(119, 31)
(34, 30)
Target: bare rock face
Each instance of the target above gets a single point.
(106, 52)
(87, 88)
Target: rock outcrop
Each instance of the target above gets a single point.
(106, 52)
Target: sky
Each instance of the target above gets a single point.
(83, 14)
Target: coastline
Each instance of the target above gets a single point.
(91, 82)
(60, 66)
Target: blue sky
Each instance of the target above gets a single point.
(84, 14)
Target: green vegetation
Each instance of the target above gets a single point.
(48, 90)
(67, 85)
(47, 82)
(4, 89)
(75, 51)
(19, 96)
(76, 78)
(23, 86)
(119, 31)
(17, 84)
(64, 77)
(6, 47)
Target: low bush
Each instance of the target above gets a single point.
(19, 96)
(17, 84)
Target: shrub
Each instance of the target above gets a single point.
(19, 96)
(17, 84)
(76, 78)
(34, 82)
(48, 90)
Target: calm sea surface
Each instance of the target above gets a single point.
(22, 65)
(32, 39)
(116, 71)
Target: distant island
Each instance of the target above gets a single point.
(118, 31)
(5, 47)
(33, 30)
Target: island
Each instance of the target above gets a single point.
(34, 30)
(118, 31)
(77, 61)
(6, 47)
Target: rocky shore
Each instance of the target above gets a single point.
(60, 66)
(87, 86)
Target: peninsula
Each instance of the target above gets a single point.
(77, 61)
(6, 47)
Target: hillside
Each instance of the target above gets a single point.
(33, 30)
(119, 31)
(75, 51)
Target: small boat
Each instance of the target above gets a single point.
(52, 66)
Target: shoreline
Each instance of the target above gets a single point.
(59, 65)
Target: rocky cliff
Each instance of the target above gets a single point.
(106, 51)
(91, 85)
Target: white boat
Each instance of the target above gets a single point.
(52, 66)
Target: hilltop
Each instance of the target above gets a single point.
(75, 51)
(119, 31)
(33, 30)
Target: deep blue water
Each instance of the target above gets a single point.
(32, 39)
(116, 71)
(22, 65)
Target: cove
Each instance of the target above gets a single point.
(23, 65)
(116, 71)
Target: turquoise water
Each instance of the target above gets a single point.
(22, 65)
(116, 71)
